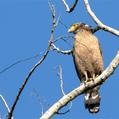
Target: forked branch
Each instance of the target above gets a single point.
(54, 24)
(69, 10)
(100, 24)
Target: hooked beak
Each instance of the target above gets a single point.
(71, 29)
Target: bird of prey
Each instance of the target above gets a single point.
(88, 62)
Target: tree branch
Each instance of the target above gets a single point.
(5, 103)
(95, 29)
(61, 80)
(69, 10)
(54, 24)
(62, 89)
(81, 89)
(17, 62)
(98, 22)
(66, 52)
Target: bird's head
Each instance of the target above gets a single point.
(77, 27)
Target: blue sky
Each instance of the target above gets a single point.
(24, 32)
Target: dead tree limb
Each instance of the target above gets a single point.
(60, 75)
(69, 10)
(81, 89)
(54, 24)
(18, 62)
(65, 52)
(5, 103)
(61, 80)
(98, 22)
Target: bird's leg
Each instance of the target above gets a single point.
(86, 77)
(93, 77)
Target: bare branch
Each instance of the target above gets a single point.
(66, 5)
(82, 88)
(36, 94)
(54, 24)
(62, 90)
(65, 26)
(61, 80)
(5, 103)
(64, 38)
(66, 52)
(95, 29)
(17, 62)
(69, 10)
(98, 22)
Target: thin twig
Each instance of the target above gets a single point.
(62, 90)
(95, 29)
(69, 10)
(5, 103)
(64, 38)
(82, 88)
(73, 6)
(66, 5)
(61, 80)
(66, 52)
(54, 24)
(17, 62)
(36, 94)
(26, 80)
(63, 24)
(98, 22)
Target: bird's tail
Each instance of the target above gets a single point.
(92, 100)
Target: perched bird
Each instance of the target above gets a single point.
(88, 62)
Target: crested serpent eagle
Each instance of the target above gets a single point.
(88, 62)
